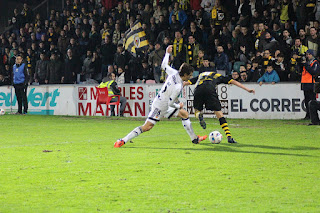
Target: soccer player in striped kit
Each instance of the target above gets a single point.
(205, 95)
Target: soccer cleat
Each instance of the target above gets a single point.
(199, 139)
(119, 143)
(202, 138)
(202, 122)
(195, 141)
(231, 140)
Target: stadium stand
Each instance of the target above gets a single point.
(84, 41)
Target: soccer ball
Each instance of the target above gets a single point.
(215, 137)
(2, 112)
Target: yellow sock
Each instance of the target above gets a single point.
(224, 126)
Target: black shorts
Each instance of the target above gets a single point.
(206, 95)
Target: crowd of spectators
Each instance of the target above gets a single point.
(252, 41)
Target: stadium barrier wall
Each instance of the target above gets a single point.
(279, 101)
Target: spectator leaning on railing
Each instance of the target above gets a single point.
(270, 76)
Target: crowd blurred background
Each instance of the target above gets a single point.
(83, 42)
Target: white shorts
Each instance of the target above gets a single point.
(155, 114)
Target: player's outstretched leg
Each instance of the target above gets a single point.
(188, 127)
(224, 126)
(199, 115)
(134, 133)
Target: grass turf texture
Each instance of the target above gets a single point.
(274, 168)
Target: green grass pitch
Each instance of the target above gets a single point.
(273, 168)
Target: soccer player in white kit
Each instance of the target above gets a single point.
(166, 104)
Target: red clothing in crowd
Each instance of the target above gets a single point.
(195, 4)
(109, 4)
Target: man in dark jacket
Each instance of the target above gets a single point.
(54, 71)
(221, 62)
(120, 58)
(70, 69)
(20, 83)
(63, 42)
(74, 48)
(269, 43)
(108, 50)
(41, 70)
(245, 40)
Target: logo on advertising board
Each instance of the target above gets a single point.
(135, 106)
(39, 100)
(83, 93)
(223, 97)
(222, 94)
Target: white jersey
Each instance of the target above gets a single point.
(171, 89)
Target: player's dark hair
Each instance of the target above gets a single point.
(186, 69)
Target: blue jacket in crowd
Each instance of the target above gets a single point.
(182, 17)
(269, 77)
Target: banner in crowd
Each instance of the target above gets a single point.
(279, 101)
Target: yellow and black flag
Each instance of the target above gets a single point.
(135, 38)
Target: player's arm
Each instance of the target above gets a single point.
(173, 98)
(165, 62)
(190, 81)
(238, 84)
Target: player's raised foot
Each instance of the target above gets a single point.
(202, 122)
(231, 140)
(119, 143)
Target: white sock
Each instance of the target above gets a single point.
(188, 127)
(134, 133)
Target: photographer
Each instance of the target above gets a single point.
(310, 68)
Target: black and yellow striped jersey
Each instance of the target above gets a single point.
(211, 78)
